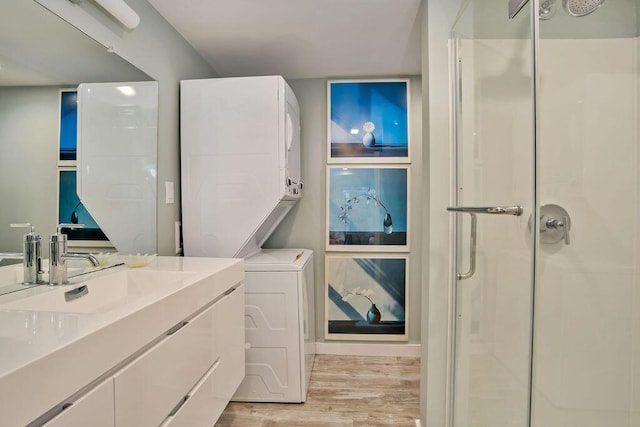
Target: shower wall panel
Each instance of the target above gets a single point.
(586, 310)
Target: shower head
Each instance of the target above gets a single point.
(581, 7)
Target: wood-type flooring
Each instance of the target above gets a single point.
(344, 391)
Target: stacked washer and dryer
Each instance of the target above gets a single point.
(240, 159)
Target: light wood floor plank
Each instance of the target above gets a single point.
(345, 391)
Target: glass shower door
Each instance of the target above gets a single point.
(494, 168)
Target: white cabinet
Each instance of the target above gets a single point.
(210, 396)
(185, 379)
(150, 386)
(175, 378)
(96, 405)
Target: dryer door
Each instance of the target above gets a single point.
(292, 148)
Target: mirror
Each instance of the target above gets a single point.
(40, 56)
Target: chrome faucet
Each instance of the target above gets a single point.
(58, 256)
(31, 260)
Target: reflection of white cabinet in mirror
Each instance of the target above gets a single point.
(117, 153)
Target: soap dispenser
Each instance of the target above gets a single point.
(31, 262)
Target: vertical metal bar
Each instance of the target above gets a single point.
(455, 114)
(472, 249)
(473, 210)
(535, 210)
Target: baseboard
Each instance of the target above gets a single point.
(368, 349)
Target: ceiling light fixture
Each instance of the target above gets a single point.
(120, 10)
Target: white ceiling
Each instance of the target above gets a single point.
(301, 38)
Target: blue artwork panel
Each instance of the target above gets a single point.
(68, 125)
(366, 296)
(367, 206)
(71, 210)
(369, 119)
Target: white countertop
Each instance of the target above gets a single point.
(46, 356)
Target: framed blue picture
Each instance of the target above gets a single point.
(67, 139)
(366, 297)
(71, 210)
(368, 121)
(367, 208)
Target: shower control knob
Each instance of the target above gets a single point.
(555, 224)
(559, 224)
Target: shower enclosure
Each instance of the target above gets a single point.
(545, 206)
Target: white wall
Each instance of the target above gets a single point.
(304, 226)
(28, 142)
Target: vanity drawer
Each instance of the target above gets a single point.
(149, 387)
(203, 405)
(96, 405)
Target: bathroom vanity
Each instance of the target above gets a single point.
(158, 345)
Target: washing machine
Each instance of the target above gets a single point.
(279, 326)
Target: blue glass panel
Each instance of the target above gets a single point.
(68, 125)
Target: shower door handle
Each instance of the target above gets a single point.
(472, 211)
(493, 210)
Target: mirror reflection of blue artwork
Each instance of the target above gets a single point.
(71, 210)
(68, 125)
(366, 297)
(369, 120)
(367, 208)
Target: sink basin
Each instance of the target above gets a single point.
(102, 293)
(11, 275)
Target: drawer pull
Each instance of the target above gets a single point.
(176, 328)
(180, 404)
(50, 414)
